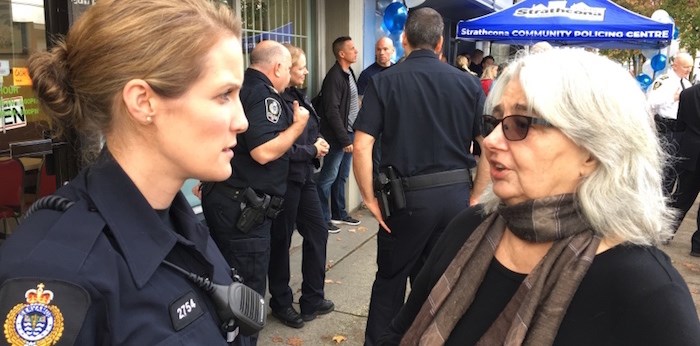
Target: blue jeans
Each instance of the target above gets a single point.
(331, 182)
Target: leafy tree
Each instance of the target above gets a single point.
(686, 14)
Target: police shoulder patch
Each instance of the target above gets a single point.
(42, 312)
(273, 109)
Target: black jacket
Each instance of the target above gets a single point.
(335, 93)
(689, 126)
(302, 154)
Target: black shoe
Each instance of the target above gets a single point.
(289, 316)
(346, 221)
(325, 307)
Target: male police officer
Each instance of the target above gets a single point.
(663, 101)
(426, 114)
(239, 211)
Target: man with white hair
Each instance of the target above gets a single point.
(663, 102)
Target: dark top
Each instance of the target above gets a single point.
(427, 113)
(476, 68)
(631, 295)
(366, 75)
(689, 124)
(268, 115)
(302, 154)
(336, 106)
(102, 258)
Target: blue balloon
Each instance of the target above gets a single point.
(395, 17)
(658, 62)
(644, 80)
(676, 33)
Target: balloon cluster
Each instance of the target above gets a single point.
(656, 59)
(393, 18)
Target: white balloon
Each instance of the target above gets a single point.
(413, 3)
(646, 68)
(662, 16)
(674, 47)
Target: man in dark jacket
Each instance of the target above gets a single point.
(340, 105)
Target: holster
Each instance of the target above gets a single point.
(254, 207)
(389, 191)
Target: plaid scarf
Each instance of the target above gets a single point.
(534, 313)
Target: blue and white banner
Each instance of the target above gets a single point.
(590, 23)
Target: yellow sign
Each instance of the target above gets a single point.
(20, 76)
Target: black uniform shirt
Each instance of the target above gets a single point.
(268, 115)
(102, 260)
(427, 113)
(303, 153)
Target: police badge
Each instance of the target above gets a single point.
(36, 322)
(272, 110)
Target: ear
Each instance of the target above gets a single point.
(438, 47)
(589, 166)
(138, 98)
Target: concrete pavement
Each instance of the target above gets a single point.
(351, 270)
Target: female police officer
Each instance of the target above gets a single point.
(159, 81)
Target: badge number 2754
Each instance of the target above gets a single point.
(186, 308)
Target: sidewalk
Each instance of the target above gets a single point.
(352, 266)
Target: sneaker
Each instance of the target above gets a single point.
(325, 307)
(333, 228)
(346, 221)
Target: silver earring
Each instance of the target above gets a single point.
(149, 119)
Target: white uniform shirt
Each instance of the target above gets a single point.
(662, 92)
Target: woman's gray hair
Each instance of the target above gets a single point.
(601, 108)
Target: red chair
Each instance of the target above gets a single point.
(11, 191)
(46, 183)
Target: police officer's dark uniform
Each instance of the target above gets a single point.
(249, 250)
(102, 261)
(426, 113)
(302, 208)
(688, 166)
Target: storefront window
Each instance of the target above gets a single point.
(22, 32)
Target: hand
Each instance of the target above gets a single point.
(348, 149)
(321, 147)
(373, 207)
(301, 114)
(197, 190)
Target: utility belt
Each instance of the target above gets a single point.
(255, 207)
(390, 189)
(664, 125)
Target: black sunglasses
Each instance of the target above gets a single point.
(515, 127)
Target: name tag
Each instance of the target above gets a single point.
(185, 310)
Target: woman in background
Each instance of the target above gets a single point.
(487, 78)
(302, 208)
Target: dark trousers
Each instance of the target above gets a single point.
(401, 253)
(301, 206)
(683, 199)
(248, 253)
